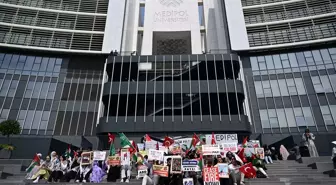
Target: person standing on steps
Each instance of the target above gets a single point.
(333, 155)
(308, 140)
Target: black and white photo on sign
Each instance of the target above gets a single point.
(188, 181)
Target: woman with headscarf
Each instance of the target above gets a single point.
(284, 153)
(73, 169)
(60, 169)
(97, 173)
(308, 140)
(34, 166)
(42, 173)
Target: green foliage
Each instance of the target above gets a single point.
(10, 127)
(6, 147)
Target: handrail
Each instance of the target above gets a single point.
(175, 107)
(176, 74)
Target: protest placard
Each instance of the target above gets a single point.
(190, 165)
(155, 155)
(176, 165)
(188, 181)
(210, 150)
(114, 160)
(86, 158)
(222, 138)
(232, 147)
(183, 142)
(260, 152)
(99, 155)
(142, 171)
(125, 157)
(141, 146)
(223, 170)
(253, 144)
(160, 170)
(211, 176)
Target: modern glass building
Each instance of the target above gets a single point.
(259, 67)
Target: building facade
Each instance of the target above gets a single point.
(260, 67)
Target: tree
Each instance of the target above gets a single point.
(10, 127)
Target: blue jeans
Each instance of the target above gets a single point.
(268, 159)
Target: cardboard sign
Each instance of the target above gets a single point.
(223, 170)
(86, 158)
(232, 147)
(188, 181)
(253, 144)
(190, 165)
(184, 141)
(142, 171)
(211, 176)
(114, 160)
(125, 157)
(222, 138)
(151, 145)
(210, 150)
(176, 165)
(155, 155)
(160, 170)
(175, 149)
(261, 152)
(99, 155)
(141, 146)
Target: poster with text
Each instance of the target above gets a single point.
(223, 170)
(232, 147)
(125, 157)
(188, 181)
(156, 155)
(114, 160)
(86, 158)
(211, 176)
(190, 165)
(260, 152)
(160, 170)
(210, 150)
(142, 171)
(99, 155)
(176, 165)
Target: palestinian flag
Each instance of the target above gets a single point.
(36, 161)
(152, 138)
(133, 151)
(245, 142)
(124, 140)
(111, 138)
(68, 152)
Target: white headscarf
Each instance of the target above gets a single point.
(284, 153)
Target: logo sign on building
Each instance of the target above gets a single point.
(190, 165)
(222, 138)
(99, 155)
(232, 147)
(160, 170)
(211, 176)
(188, 181)
(171, 3)
(223, 170)
(210, 150)
(155, 155)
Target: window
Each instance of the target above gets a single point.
(269, 62)
(259, 89)
(299, 86)
(326, 83)
(282, 118)
(317, 84)
(290, 117)
(262, 63)
(275, 88)
(325, 56)
(283, 87)
(264, 119)
(328, 120)
(308, 116)
(277, 62)
(254, 63)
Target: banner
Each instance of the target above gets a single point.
(155, 155)
(142, 171)
(151, 145)
(223, 170)
(176, 165)
(125, 157)
(253, 144)
(190, 166)
(210, 150)
(211, 176)
(184, 141)
(260, 152)
(222, 138)
(86, 158)
(230, 147)
(160, 170)
(99, 155)
(188, 181)
(114, 160)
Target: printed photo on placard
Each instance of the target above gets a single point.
(125, 157)
(223, 170)
(160, 170)
(114, 160)
(86, 158)
(260, 152)
(176, 165)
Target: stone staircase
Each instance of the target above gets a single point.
(309, 172)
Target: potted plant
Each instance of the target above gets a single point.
(8, 128)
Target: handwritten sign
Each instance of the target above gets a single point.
(99, 155)
(211, 176)
(114, 160)
(210, 150)
(155, 155)
(232, 147)
(160, 170)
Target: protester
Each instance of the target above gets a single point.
(34, 166)
(333, 154)
(126, 168)
(235, 174)
(42, 173)
(274, 154)
(97, 173)
(268, 154)
(308, 140)
(73, 170)
(259, 165)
